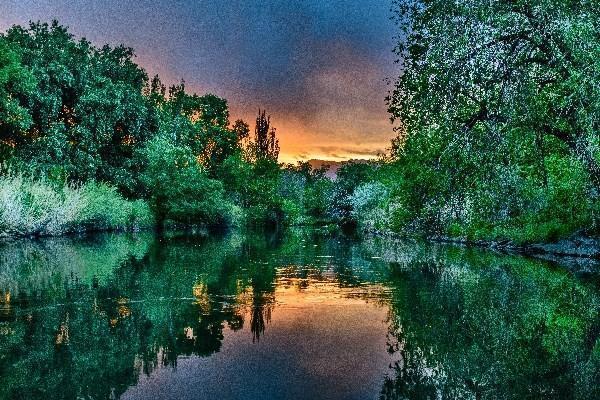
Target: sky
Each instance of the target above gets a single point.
(319, 67)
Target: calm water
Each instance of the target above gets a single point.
(299, 315)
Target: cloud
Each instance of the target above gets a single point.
(344, 152)
(318, 67)
(336, 103)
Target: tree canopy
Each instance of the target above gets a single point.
(498, 111)
(72, 113)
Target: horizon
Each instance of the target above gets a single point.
(321, 76)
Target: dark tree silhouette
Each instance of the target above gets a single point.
(265, 141)
(242, 132)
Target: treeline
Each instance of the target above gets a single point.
(88, 141)
(498, 106)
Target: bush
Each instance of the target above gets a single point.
(104, 208)
(369, 205)
(180, 190)
(30, 207)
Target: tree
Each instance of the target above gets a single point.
(201, 122)
(475, 72)
(266, 144)
(242, 131)
(349, 176)
(15, 82)
(87, 112)
(156, 91)
(177, 187)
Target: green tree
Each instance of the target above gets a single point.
(490, 94)
(201, 123)
(15, 83)
(266, 144)
(476, 65)
(178, 188)
(88, 113)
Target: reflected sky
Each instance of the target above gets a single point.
(304, 352)
(295, 314)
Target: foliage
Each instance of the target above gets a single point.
(453, 88)
(76, 113)
(349, 177)
(83, 105)
(310, 189)
(15, 82)
(265, 143)
(368, 205)
(201, 123)
(497, 105)
(31, 207)
(179, 189)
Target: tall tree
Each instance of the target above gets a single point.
(475, 72)
(266, 144)
(87, 110)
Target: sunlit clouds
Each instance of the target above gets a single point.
(319, 68)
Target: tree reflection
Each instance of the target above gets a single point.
(72, 326)
(473, 325)
(85, 318)
(260, 314)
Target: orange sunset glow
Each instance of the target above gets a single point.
(319, 70)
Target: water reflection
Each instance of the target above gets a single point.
(474, 324)
(89, 317)
(295, 315)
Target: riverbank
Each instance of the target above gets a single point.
(578, 252)
(576, 246)
(32, 208)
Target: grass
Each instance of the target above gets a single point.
(30, 207)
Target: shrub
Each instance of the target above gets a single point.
(369, 203)
(30, 207)
(104, 208)
(140, 216)
(179, 189)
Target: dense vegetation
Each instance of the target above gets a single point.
(89, 142)
(499, 116)
(497, 108)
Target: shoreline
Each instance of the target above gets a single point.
(577, 250)
(574, 247)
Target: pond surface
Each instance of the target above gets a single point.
(298, 315)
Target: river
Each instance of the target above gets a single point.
(294, 315)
